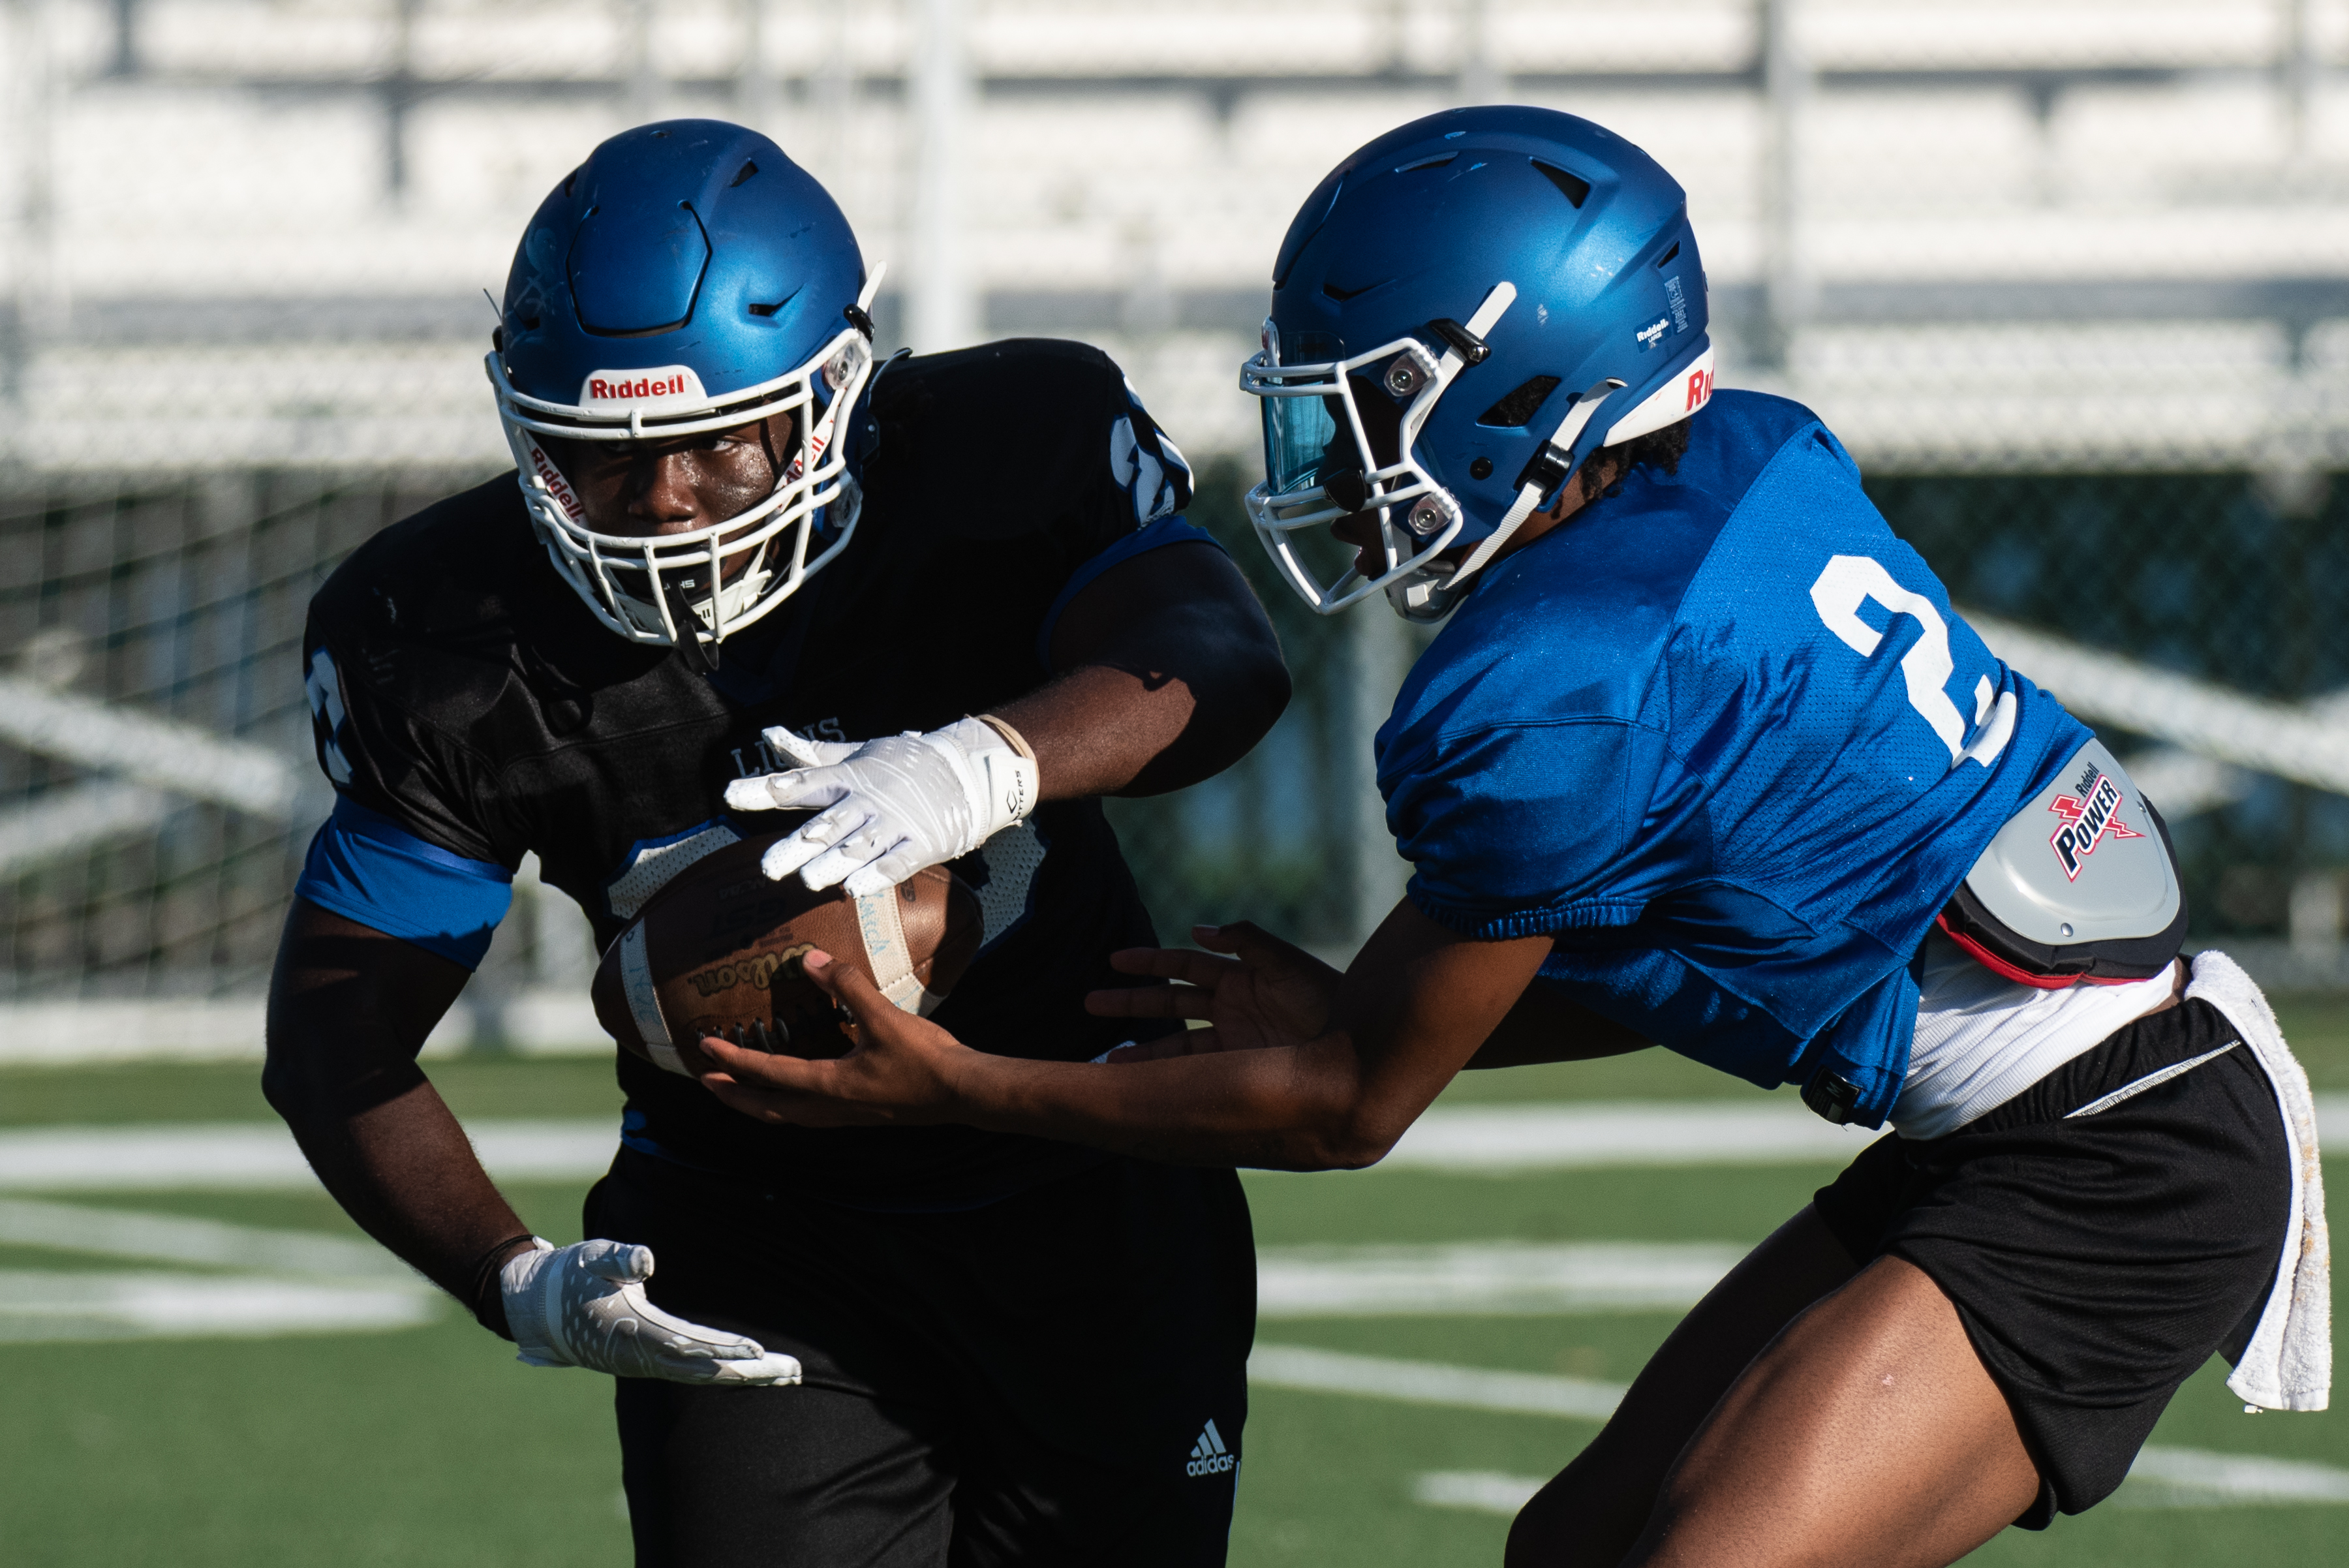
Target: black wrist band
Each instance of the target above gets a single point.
(486, 1287)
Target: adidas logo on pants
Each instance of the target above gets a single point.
(1208, 1454)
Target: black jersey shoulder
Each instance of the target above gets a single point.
(975, 401)
(467, 580)
(462, 660)
(1013, 437)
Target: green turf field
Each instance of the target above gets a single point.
(428, 1445)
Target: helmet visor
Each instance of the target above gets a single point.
(1303, 439)
(1308, 431)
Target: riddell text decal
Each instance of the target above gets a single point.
(556, 485)
(599, 389)
(2088, 816)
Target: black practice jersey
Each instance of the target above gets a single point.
(479, 707)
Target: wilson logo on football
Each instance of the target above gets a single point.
(758, 972)
(2088, 816)
(664, 384)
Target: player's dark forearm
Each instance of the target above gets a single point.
(406, 1173)
(1542, 1027)
(349, 1008)
(1145, 725)
(1299, 1108)
(1169, 673)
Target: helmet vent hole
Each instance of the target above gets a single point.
(741, 174)
(1516, 409)
(1669, 256)
(763, 311)
(1435, 161)
(1576, 189)
(1343, 295)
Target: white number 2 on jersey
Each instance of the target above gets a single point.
(1848, 582)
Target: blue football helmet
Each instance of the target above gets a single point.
(1463, 312)
(688, 277)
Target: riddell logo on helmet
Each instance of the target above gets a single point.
(556, 485)
(663, 383)
(1700, 388)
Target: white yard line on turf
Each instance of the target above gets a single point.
(179, 1239)
(252, 1156)
(1496, 1140)
(1500, 1139)
(2195, 1478)
(345, 1285)
(39, 1307)
(1480, 1492)
(1488, 1278)
(1431, 1383)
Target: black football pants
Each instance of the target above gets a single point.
(1029, 1383)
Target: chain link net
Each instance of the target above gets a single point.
(2066, 279)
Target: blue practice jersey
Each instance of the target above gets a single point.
(1722, 738)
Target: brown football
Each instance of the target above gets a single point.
(717, 950)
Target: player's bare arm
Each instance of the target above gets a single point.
(349, 1009)
(1169, 673)
(1416, 1005)
(1253, 990)
(1166, 671)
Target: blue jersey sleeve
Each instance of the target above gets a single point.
(1509, 828)
(365, 867)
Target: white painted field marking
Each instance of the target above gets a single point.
(2197, 1478)
(1501, 1140)
(2161, 1478)
(1432, 1383)
(1492, 1278)
(542, 1020)
(1496, 1140)
(253, 1156)
(1504, 1140)
(37, 1307)
(180, 1239)
(1480, 1492)
(344, 1285)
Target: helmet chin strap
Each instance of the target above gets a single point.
(699, 650)
(1546, 472)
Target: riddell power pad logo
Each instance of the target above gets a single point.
(2088, 816)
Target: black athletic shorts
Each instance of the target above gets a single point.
(1058, 1377)
(2096, 1260)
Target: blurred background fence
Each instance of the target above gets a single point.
(2070, 278)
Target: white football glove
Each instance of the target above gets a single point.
(891, 807)
(583, 1306)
